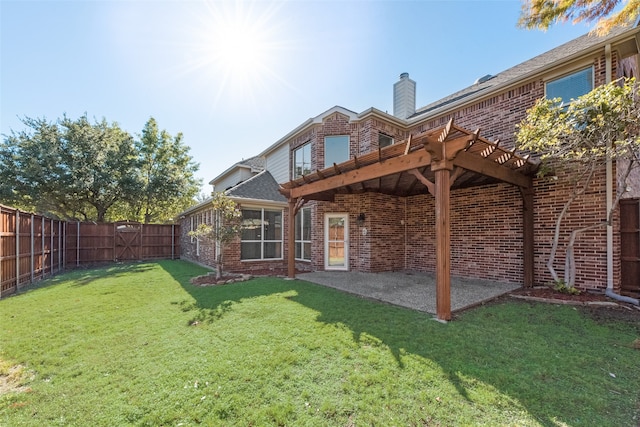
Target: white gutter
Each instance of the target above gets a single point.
(609, 197)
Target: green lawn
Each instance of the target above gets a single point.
(138, 345)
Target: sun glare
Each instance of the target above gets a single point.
(241, 45)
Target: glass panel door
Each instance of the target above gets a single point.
(336, 253)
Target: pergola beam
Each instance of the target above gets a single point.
(492, 169)
(416, 159)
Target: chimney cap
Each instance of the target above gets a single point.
(404, 75)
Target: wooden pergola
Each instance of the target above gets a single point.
(442, 159)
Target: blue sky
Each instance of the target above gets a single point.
(234, 77)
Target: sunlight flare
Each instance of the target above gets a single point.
(242, 46)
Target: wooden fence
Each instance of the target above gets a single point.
(33, 247)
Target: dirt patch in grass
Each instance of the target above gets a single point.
(620, 313)
(12, 379)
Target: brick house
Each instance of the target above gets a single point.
(387, 222)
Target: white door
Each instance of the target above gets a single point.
(336, 238)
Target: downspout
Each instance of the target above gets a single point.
(609, 196)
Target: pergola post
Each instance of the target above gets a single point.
(528, 236)
(443, 244)
(291, 240)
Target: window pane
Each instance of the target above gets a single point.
(272, 250)
(298, 250)
(250, 250)
(336, 149)
(306, 224)
(384, 140)
(336, 229)
(272, 225)
(336, 254)
(302, 161)
(298, 227)
(571, 86)
(306, 251)
(251, 224)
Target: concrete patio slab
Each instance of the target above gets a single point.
(413, 290)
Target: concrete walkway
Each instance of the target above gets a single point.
(410, 289)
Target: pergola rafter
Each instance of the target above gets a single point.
(438, 160)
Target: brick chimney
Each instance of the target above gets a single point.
(404, 97)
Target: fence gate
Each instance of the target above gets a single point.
(128, 241)
(630, 247)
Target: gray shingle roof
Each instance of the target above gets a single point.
(255, 163)
(259, 187)
(519, 71)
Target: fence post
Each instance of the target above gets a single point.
(173, 240)
(59, 246)
(78, 244)
(42, 266)
(64, 245)
(51, 249)
(115, 245)
(32, 244)
(17, 249)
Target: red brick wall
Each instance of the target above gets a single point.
(486, 233)
(591, 246)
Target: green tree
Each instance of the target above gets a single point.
(224, 228)
(541, 14)
(71, 168)
(165, 173)
(601, 126)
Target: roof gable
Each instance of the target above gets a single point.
(254, 164)
(259, 187)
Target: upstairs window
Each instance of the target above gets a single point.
(302, 161)
(336, 149)
(384, 140)
(570, 86)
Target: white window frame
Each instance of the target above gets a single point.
(301, 149)
(262, 239)
(301, 242)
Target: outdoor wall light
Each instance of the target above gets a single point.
(361, 219)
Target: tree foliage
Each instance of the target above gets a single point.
(165, 174)
(541, 14)
(601, 126)
(72, 169)
(224, 228)
(75, 169)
